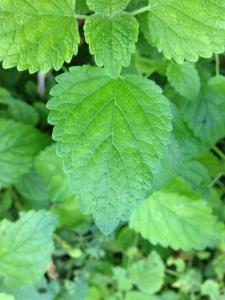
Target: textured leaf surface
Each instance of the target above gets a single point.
(38, 35)
(110, 134)
(148, 274)
(19, 144)
(175, 220)
(187, 29)
(26, 247)
(184, 79)
(111, 35)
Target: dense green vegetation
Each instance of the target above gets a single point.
(112, 150)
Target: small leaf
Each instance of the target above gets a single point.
(111, 35)
(176, 220)
(26, 247)
(148, 274)
(110, 134)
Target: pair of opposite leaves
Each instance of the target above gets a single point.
(110, 132)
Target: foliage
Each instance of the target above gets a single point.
(112, 156)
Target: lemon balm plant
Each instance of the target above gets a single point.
(136, 129)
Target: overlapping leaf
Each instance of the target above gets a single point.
(26, 247)
(187, 29)
(19, 144)
(176, 220)
(111, 34)
(38, 35)
(111, 134)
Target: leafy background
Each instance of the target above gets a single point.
(77, 261)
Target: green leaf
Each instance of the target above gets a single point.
(50, 169)
(110, 134)
(184, 79)
(34, 190)
(148, 274)
(187, 29)
(212, 289)
(111, 35)
(6, 297)
(176, 220)
(19, 144)
(111, 6)
(206, 115)
(26, 247)
(37, 35)
(134, 295)
(16, 109)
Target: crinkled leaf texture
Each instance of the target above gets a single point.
(19, 144)
(176, 220)
(26, 247)
(184, 29)
(148, 274)
(37, 35)
(111, 35)
(110, 133)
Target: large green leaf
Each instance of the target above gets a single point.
(26, 247)
(187, 29)
(19, 144)
(111, 34)
(176, 220)
(111, 134)
(38, 35)
(148, 274)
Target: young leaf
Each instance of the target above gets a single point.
(148, 274)
(111, 34)
(187, 29)
(26, 247)
(175, 220)
(38, 35)
(110, 134)
(184, 79)
(19, 144)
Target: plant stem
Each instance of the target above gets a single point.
(217, 60)
(172, 273)
(219, 152)
(81, 17)
(140, 10)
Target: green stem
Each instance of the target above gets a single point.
(172, 273)
(216, 179)
(81, 17)
(219, 152)
(217, 65)
(140, 10)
